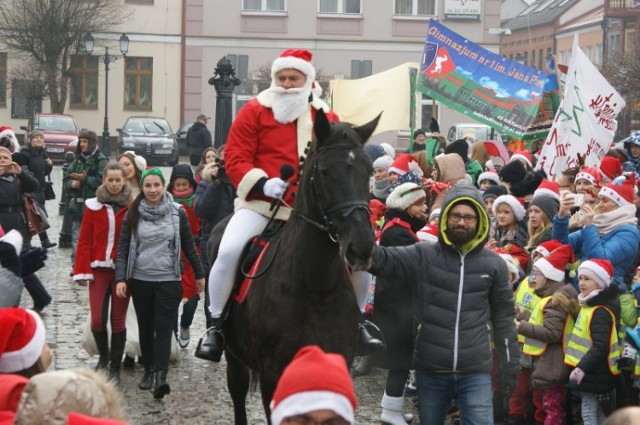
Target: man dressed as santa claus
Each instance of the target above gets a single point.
(270, 131)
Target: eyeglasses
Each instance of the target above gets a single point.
(469, 219)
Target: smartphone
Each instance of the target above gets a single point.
(578, 199)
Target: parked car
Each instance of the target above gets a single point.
(150, 137)
(60, 134)
(181, 137)
(479, 131)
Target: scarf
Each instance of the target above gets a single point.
(155, 213)
(185, 197)
(583, 299)
(121, 199)
(380, 188)
(609, 221)
(88, 155)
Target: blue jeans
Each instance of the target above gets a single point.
(472, 392)
(188, 311)
(592, 413)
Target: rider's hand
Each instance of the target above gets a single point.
(275, 187)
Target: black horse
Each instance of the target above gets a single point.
(303, 294)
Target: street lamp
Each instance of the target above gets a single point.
(106, 59)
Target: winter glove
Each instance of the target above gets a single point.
(9, 258)
(576, 376)
(32, 260)
(275, 187)
(508, 383)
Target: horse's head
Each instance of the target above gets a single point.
(335, 186)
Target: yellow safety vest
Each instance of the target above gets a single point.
(526, 299)
(580, 340)
(534, 347)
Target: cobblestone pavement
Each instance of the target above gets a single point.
(198, 388)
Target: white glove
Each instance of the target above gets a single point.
(275, 187)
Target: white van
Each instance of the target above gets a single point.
(478, 131)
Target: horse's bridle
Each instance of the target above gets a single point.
(343, 209)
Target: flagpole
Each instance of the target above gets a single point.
(413, 73)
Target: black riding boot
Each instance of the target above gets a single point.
(102, 342)
(212, 344)
(368, 343)
(117, 348)
(162, 387)
(147, 379)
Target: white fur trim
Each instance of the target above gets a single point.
(522, 157)
(586, 176)
(397, 171)
(546, 192)
(304, 402)
(290, 62)
(614, 196)
(403, 197)
(141, 163)
(249, 180)
(262, 208)
(489, 175)
(13, 238)
(83, 276)
(541, 250)
(93, 204)
(548, 270)
(516, 207)
(111, 237)
(28, 355)
(593, 270)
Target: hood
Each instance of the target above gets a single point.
(465, 192)
(451, 168)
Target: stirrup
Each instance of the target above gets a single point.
(371, 338)
(206, 345)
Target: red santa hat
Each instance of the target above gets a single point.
(314, 380)
(600, 271)
(620, 190)
(590, 174)
(299, 59)
(554, 266)
(546, 248)
(428, 233)
(610, 167)
(22, 338)
(489, 175)
(75, 418)
(548, 187)
(513, 202)
(523, 155)
(6, 131)
(403, 163)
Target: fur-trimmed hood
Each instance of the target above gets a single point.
(104, 197)
(206, 172)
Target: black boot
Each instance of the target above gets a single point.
(211, 345)
(147, 379)
(129, 362)
(162, 387)
(368, 343)
(102, 342)
(117, 348)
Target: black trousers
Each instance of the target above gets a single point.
(156, 306)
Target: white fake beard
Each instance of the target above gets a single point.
(289, 104)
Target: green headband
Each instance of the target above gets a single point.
(155, 171)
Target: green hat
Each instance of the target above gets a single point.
(155, 171)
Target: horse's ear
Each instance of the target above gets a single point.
(365, 131)
(321, 126)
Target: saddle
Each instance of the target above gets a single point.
(251, 260)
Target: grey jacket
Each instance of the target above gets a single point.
(127, 245)
(464, 297)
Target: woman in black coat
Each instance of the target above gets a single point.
(393, 300)
(38, 164)
(14, 182)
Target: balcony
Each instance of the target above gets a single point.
(622, 8)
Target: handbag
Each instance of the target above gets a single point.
(49, 193)
(35, 216)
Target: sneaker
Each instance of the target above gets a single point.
(184, 338)
(410, 389)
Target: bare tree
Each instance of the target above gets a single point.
(29, 83)
(622, 70)
(49, 32)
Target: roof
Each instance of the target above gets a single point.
(541, 12)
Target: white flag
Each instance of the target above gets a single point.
(585, 123)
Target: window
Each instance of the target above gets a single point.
(264, 5)
(533, 58)
(3, 79)
(339, 6)
(414, 7)
(138, 78)
(361, 69)
(139, 1)
(84, 81)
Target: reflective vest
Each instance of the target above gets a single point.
(580, 340)
(526, 299)
(534, 347)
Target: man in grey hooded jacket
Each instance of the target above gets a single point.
(464, 305)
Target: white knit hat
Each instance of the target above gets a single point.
(405, 195)
(383, 162)
(388, 149)
(516, 206)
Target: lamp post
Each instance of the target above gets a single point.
(106, 59)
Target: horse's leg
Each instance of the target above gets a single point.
(238, 385)
(267, 388)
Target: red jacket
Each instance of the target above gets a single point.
(258, 145)
(188, 280)
(98, 238)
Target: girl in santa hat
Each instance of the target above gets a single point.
(552, 317)
(509, 226)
